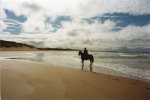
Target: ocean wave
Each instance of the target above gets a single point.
(141, 73)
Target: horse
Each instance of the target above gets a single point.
(86, 57)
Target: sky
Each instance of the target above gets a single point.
(100, 25)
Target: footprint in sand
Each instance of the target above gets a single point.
(148, 88)
(134, 82)
(116, 79)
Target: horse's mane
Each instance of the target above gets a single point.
(80, 51)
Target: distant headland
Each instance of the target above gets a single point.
(16, 46)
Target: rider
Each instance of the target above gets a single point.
(85, 52)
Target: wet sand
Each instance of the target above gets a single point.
(26, 80)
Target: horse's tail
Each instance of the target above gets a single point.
(92, 58)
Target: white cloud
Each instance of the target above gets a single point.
(2, 17)
(34, 24)
(80, 34)
(2, 26)
(2, 14)
(77, 8)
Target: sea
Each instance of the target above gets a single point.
(129, 65)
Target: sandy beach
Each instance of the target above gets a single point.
(26, 80)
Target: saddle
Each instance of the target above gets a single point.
(86, 56)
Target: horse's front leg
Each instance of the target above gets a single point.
(91, 63)
(82, 64)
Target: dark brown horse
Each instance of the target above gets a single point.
(86, 57)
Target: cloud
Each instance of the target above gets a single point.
(2, 17)
(32, 7)
(96, 36)
(77, 8)
(2, 14)
(2, 26)
(34, 25)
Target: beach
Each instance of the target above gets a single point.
(33, 80)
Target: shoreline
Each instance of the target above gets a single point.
(21, 55)
(122, 76)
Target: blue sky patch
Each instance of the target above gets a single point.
(13, 22)
(122, 19)
(12, 15)
(58, 22)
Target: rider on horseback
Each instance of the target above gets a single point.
(85, 53)
(85, 56)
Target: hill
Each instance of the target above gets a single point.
(14, 46)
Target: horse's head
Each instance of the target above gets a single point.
(80, 52)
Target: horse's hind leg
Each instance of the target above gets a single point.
(91, 67)
(91, 63)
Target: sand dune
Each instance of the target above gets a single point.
(14, 46)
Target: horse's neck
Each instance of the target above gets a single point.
(82, 54)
